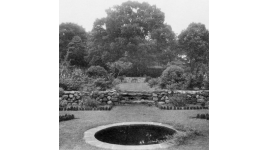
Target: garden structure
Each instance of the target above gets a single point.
(142, 132)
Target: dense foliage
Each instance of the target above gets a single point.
(178, 100)
(61, 92)
(203, 116)
(173, 75)
(132, 41)
(153, 82)
(97, 71)
(120, 66)
(72, 38)
(71, 79)
(89, 102)
(133, 31)
(194, 45)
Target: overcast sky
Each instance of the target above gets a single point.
(178, 13)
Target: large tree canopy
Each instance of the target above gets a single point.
(194, 44)
(67, 31)
(134, 31)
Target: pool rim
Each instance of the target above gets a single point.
(89, 137)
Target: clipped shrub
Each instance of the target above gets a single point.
(96, 71)
(66, 117)
(173, 77)
(203, 116)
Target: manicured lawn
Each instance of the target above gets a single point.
(71, 132)
(135, 87)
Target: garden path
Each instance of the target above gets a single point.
(135, 87)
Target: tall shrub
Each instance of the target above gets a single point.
(96, 71)
(173, 75)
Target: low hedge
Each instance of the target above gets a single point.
(164, 107)
(103, 108)
(66, 117)
(203, 116)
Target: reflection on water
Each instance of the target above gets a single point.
(134, 134)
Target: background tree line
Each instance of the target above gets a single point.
(133, 40)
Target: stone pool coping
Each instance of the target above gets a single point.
(90, 138)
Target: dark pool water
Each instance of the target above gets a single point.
(134, 134)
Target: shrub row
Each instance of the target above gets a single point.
(87, 108)
(202, 116)
(181, 108)
(66, 117)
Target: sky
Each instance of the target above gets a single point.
(178, 13)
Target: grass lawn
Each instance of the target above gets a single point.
(134, 87)
(71, 132)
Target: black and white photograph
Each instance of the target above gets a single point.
(133, 75)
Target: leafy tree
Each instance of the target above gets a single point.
(135, 31)
(67, 31)
(194, 44)
(76, 52)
